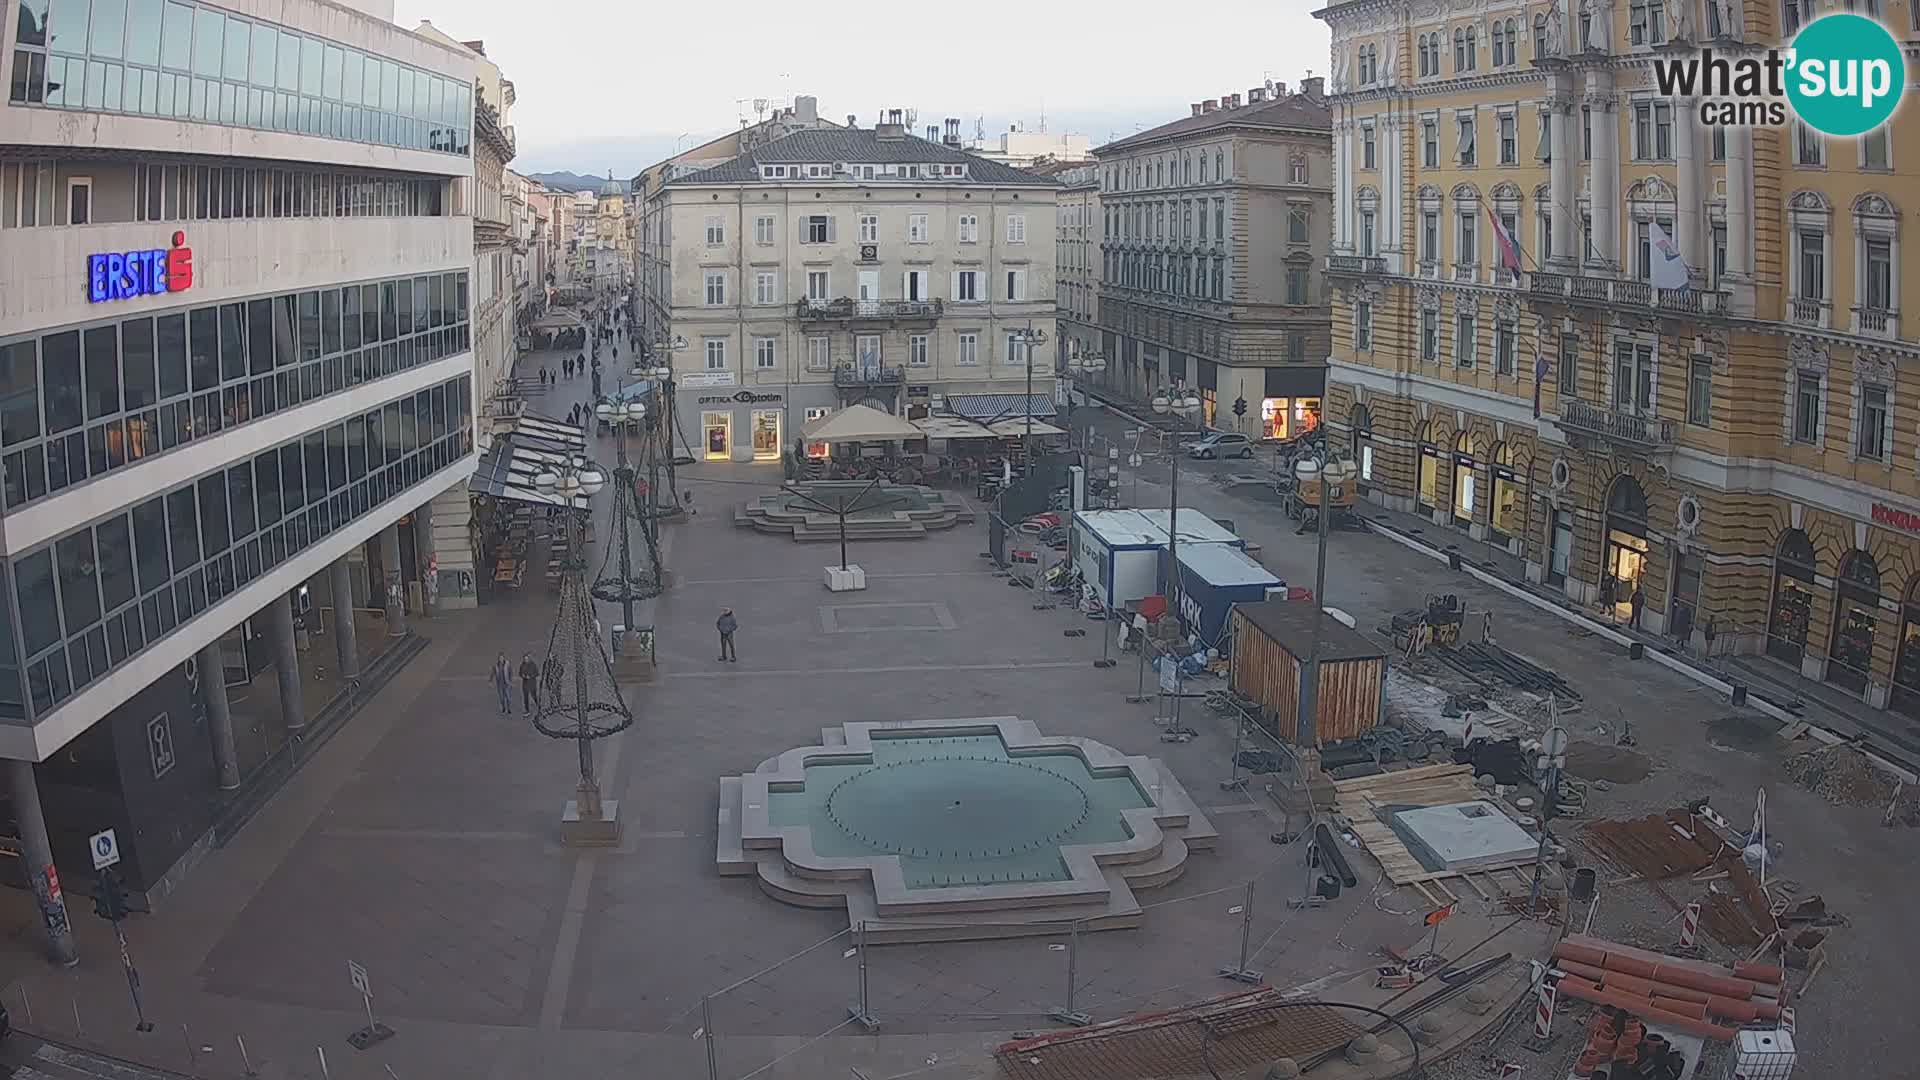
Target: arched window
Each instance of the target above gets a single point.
(1473, 47)
(1540, 35)
(1360, 430)
(1427, 491)
(1856, 617)
(1513, 41)
(1499, 43)
(1420, 61)
(1460, 48)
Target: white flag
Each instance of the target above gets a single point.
(1669, 271)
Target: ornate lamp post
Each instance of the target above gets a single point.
(1028, 339)
(579, 698)
(1328, 472)
(1079, 365)
(1181, 402)
(627, 588)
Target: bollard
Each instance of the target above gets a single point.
(1543, 1012)
(1690, 925)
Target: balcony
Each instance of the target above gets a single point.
(1873, 320)
(868, 376)
(1356, 265)
(1603, 292)
(845, 310)
(1807, 311)
(1631, 431)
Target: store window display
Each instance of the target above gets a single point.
(1792, 609)
(1855, 621)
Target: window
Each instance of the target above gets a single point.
(1465, 141)
(1504, 334)
(1871, 440)
(1806, 408)
(1363, 325)
(967, 350)
(916, 228)
(1430, 144)
(869, 228)
(1792, 14)
(1296, 171)
(1586, 133)
(1643, 247)
(1633, 378)
(819, 354)
(763, 230)
(915, 285)
(1700, 391)
(1540, 35)
(764, 356)
(1296, 285)
(79, 200)
(1498, 43)
(1546, 231)
(816, 229)
(1430, 336)
(765, 290)
(1509, 140)
(1718, 139)
(1016, 285)
(1016, 228)
(1298, 219)
(917, 350)
(1876, 286)
(1464, 332)
(1467, 253)
(1809, 147)
(716, 354)
(1220, 219)
(1569, 364)
(1366, 147)
(1366, 232)
(1719, 253)
(818, 288)
(966, 286)
(1017, 350)
(1647, 22)
(1430, 236)
(969, 228)
(716, 232)
(716, 288)
(1813, 265)
(1873, 146)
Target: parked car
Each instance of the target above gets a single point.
(1222, 444)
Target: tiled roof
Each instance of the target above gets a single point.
(1292, 112)
(860, 146)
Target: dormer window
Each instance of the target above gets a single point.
(819, 172)
(773, 172)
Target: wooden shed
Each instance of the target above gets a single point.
(1271, 642)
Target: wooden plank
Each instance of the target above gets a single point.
(1432, 900)
(1403, 776)
(1441, 884)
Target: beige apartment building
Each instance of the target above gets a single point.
(1742, 447)
(837, 266)
(1076, 257)
(1214, 229)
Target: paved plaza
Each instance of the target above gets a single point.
(422, 840)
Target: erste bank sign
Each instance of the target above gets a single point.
(125, 275)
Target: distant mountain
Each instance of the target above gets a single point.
(568, 181)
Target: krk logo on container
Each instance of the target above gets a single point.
(1843, 76)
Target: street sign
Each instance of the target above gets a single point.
(359, 976)
(105, 848)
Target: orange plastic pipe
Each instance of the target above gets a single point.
(1585, 991)
(1695, 1009)
(1580, 954)
(1738, 989)
(1585, 971)
(1760, 973)
(1630, 965)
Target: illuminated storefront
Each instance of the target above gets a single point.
(1287, 418)
(1429, 477)
(1465, 482)
(1508, 514)
(766, 434)
(1793, 576)
(1855, 620)
(718, 442)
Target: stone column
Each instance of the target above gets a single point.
(213, 690)
(1563, 195)
(346, 649)
(1342, 188)
(38, 853)
(1740, 203)
(1689, 205)
(424, 552)
(286, 662)
(1606, 174)
(394, 584)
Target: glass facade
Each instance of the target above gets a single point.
(189, 61)
(98, 596)
(84, 400)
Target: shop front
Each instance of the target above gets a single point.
(1625, 556)
(1507, 515)
(1906, 663)
(1360, 430)
(1855, 621)
(1465, 481)
(745, 425)
(1791, 611)
(1428, 497)
(1290, 400)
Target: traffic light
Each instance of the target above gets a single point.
(108, 901)
(1239, 406)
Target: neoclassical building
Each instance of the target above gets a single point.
(1743, 448)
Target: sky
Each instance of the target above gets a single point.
(610, 84)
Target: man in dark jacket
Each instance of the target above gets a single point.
(529, 685)
(727, 624)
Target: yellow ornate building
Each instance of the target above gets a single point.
(1746, 448)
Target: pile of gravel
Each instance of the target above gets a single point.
(1842, 776)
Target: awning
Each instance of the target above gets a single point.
(550, 435)
(859, 423)
(1016, 426)
(951, 427)
(509, 468)
(986, 407)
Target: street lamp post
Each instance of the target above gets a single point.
(1328, 473)
(1081, 364)
(1183, 403)
(1028, 339)
(576, 655)
(626, 589)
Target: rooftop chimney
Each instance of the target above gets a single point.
(1196, 108)
(1235, 99)
(892, 126)
(953, 131)
(1256, 95)
(852, 121)
(806, 107)
(1209, 105)
(933, 133)
(1313, 87)
(1279, 90)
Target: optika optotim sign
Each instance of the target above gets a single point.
(125, 275)
(1842, 76)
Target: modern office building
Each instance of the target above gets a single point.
(1214, 232)
(837, 266)
(1734, 443)
(235, 365)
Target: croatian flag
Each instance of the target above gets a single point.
(1669, 270)
(1508, 248)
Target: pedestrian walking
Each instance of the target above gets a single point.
(1682, 623)
(529, 685)
(727, 624)
(503, 683)
(1707, 632)
(1634, 603)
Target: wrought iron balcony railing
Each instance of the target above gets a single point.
(1626, 429)
(845, 309)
